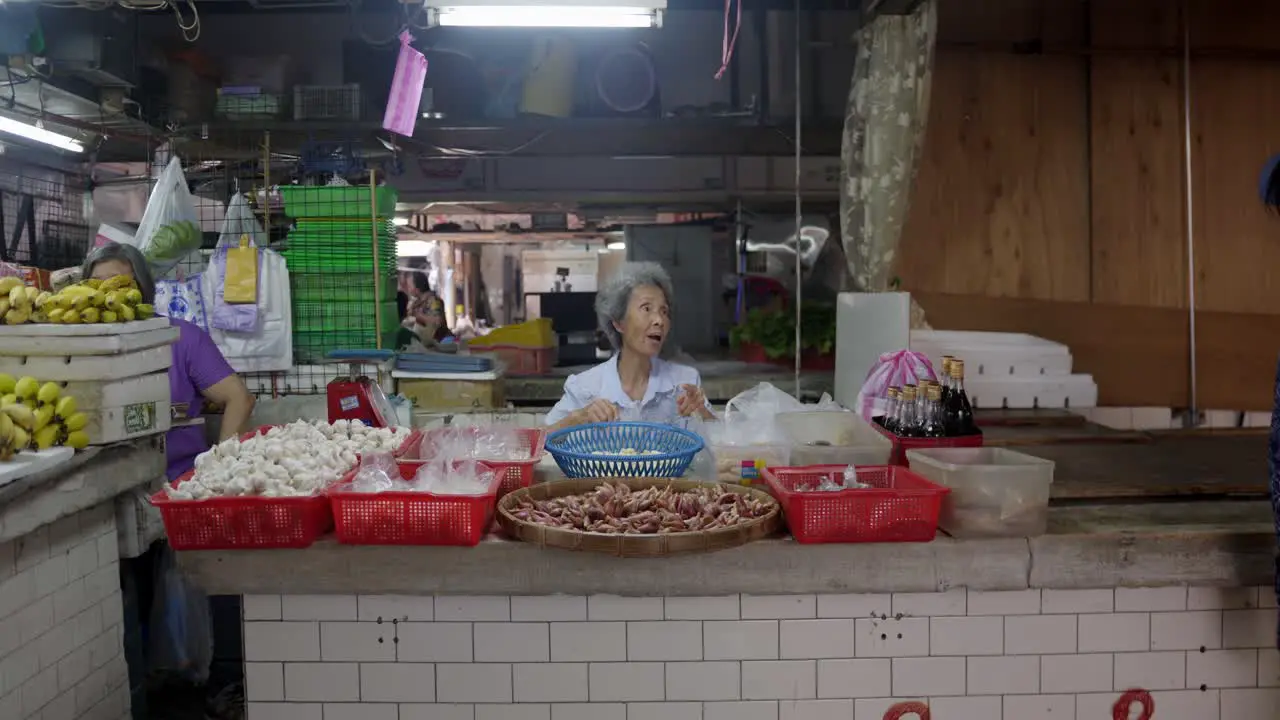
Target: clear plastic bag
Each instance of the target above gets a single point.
(181, 623)
(453, 477)
(170, 226)
(377, 473)
(493, 442)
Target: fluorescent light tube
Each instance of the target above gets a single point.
(548, 16)
(10, 126)
(617, 246)
(400, 221)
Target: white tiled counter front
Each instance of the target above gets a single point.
(1203, 653)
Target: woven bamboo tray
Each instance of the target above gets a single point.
(632, 545)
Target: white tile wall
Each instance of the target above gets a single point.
(61, 623)
(1203, 653)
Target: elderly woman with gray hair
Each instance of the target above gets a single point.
(634, 311)
(198, 372)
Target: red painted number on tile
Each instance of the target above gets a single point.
(1123, 707)
(902, 709)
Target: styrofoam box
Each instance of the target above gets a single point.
(123, 409)
(992, 353)
(1047, 391)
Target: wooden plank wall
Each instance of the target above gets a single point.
(1053, 171)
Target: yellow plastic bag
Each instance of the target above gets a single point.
(240, 283)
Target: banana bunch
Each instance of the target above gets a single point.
(38, 417)
(17, 301)
(89, 302)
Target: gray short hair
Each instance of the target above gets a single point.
(613, 296)
(129, 254)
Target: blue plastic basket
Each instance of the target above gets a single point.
(591, 451)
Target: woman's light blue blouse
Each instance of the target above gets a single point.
(602, 381)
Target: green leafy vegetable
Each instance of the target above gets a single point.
(775, 331)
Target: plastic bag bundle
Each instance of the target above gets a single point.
(495, 442)
(378, 473)
(453, 477)
(898, 368)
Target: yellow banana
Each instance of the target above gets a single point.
(114, 299)
(109, 317)
(90, 315)
(144, 312)
(8, 399)
(46, 437)
(55, 315)
(17, 317)
(133, 296)
(66, 407)
(127, 313)
(6, 428)
(92, 283)
(77, 290)
(77, 421)
(41, 300)
(21, 415)
(21, 438)
(26, 387)
(7, 383)
(44, 415)
(18, 298)
(117, 282)
(4, 305)
(8, 283)
(77, 439)
(48, 393)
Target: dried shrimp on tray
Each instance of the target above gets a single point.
(638, 517)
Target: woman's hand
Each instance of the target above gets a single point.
(597, 411)
(692, 401)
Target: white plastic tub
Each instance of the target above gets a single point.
(833, 437)
(995, 492)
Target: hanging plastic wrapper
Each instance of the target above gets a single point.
(170, 226)
(444, 476)
(377, 473)
(183, 300)
(892, 369)
(403, 105)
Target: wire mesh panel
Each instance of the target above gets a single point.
(42, 221)
(313, 195)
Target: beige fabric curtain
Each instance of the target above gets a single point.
(884, 126)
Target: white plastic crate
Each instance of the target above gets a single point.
(994, 354)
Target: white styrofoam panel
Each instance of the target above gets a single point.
(867, 325)
(1047, 391)
(90, 367)
(996, 354)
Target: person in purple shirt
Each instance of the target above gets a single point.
(199, 371)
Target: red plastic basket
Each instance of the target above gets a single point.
(515, 474)
(521, 360)
(901, 507)
(411, 518)
(412, 441)
(901, 445)
(242, 523)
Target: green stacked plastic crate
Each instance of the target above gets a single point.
(330, 259)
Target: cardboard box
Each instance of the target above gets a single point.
(453, 394)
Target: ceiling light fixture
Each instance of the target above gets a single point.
(20, 129)
(400, 221)
(531, 13)
(617, 246)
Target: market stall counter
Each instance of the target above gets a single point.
(1172, 601)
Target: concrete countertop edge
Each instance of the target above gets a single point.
(89, 479)
(768, 567)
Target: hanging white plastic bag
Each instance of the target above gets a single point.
(240, 221)
(170, 226)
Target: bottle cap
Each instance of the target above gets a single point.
(957, 368)
(892, 392)
(946, 363)
(909, 391)
(935, 392)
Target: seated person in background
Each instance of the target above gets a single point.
(634, 311)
